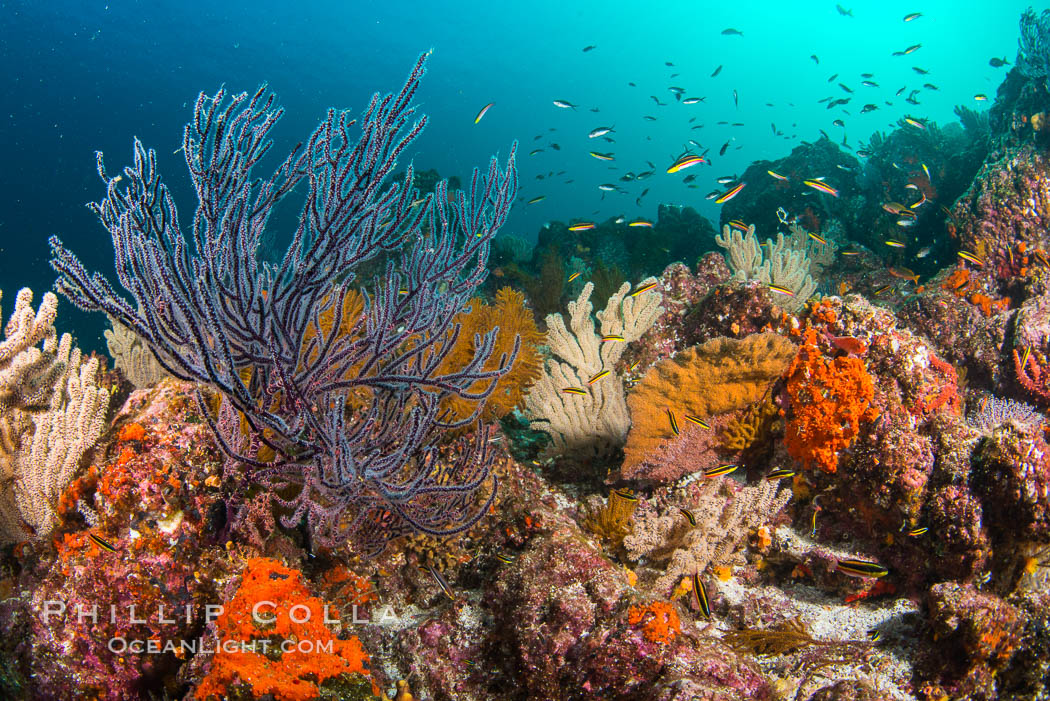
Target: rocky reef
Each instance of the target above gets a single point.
(720, 486)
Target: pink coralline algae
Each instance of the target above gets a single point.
(1007, 204)
(681, 290)
(150, 503)
(695, 450)
(732, 310)
(919, 444)
(972, 636)
(955, 515)
(1031, 348)
(965, 336)
(550, 601)
(1012, 478)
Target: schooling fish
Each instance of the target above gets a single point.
(998, 62)
(912, 16)
(821, 187)
(685, 161)
(564, 104)
(730, 31)
(730, 194)
(599, 131)
(583, 226)
(589, 48)
(904, 274)
(717, 71)
(484, 109)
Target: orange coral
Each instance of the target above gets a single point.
(987, 304)
(78, 489)
(659, 621)
(132, 432)
(959, 279)
(342, 584)
(511, 315)
(945, 395)
(309, 653)
(829, 400)
(958, 282)
(711, 379)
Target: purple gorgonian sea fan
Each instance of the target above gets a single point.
(340, 421)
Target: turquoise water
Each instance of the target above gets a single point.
(84, 76)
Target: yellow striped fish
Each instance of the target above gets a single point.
(674, 422)
(700, 595)
(101, 543)
(597, 377)
(721, 470)
(697, 420)
(643, 288)
(861, 568)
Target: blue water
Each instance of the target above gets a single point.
(83, 76)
